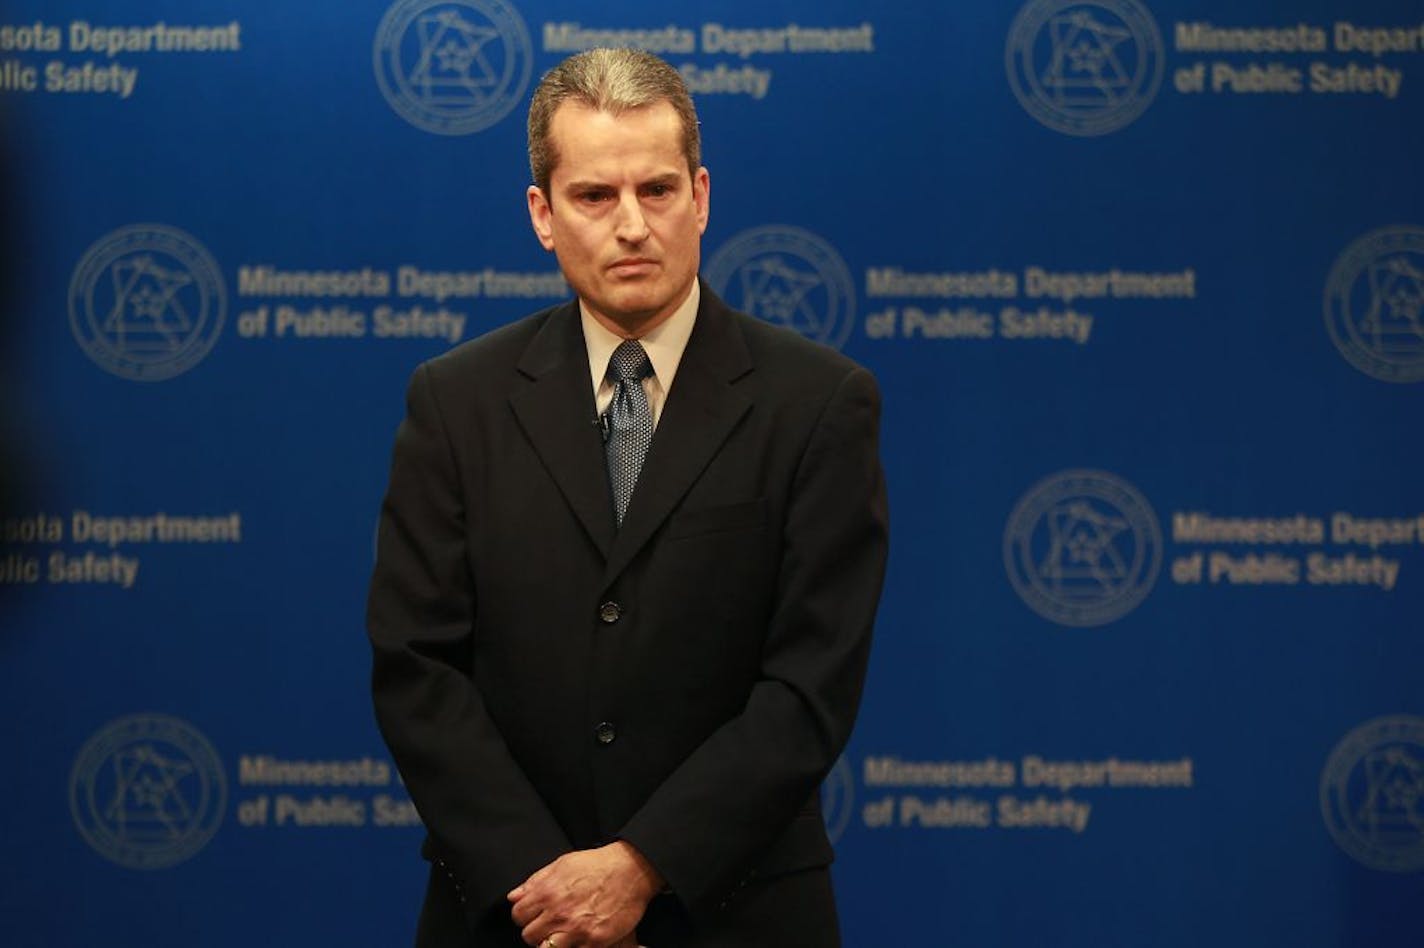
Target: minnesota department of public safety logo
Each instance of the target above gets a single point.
(1084, 67)
(147, 302)
(789, 276)
(1083, 548)
(1372, 793)
(452, 66)
(1374, 304)
(147, 791)
(837, 798)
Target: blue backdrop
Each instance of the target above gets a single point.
(1143, 284)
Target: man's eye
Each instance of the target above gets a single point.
(658, 190)
(594, 197)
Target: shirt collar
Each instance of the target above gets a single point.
(664, 343)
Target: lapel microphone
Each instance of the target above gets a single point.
(604, 425)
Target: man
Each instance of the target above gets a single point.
(623, 596)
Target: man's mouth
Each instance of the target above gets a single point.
(632, 266)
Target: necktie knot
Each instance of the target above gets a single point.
(630, 362)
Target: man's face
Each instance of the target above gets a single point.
(622, 214)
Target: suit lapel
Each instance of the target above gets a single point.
(702, 409)
(556, 411)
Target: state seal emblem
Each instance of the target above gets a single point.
(1374, 304)
(147, 791)
(1084, 67)
(452, 67)
(1083, 548)
(1372, 793)
(789, 276)
(147, 302)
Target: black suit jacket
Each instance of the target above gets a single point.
(548, 682)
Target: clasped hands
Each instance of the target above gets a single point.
(591, 898)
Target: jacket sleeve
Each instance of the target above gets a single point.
(488, 828)
(716, 815)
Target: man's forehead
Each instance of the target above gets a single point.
(588, 140)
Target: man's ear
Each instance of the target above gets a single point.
(702, 197)
(541, 216)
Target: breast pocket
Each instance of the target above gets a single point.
(723, 518)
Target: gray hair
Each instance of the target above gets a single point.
(613, 81)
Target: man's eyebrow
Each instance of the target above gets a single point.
(667, 177)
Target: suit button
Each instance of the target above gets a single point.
(605, 733)
(610, 612)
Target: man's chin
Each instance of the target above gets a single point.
(637, 305)
(632, 305)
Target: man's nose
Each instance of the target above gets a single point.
(632, 226)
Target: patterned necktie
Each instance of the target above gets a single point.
(629, 428)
